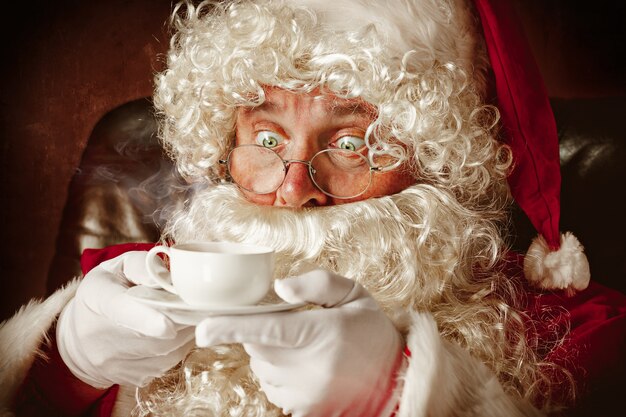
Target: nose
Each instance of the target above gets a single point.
(298, 190)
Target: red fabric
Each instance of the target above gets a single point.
(586, 334)
(94, 257)
(594, 351)
(104, 406)
(527, 119)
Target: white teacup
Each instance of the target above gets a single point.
(214, 273)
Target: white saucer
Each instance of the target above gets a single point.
(183, 313)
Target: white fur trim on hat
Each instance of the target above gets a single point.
(437, 31)
(566, 268)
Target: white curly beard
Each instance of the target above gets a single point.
(405, 249)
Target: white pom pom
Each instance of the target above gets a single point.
(566, 268)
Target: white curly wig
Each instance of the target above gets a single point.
(423, 65)
(420, 62)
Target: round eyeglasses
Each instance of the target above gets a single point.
(338, 173)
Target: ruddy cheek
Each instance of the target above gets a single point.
(260, 199)
(390, 183)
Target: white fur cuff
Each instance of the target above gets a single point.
(442, 379)
(21, 336)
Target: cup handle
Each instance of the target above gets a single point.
(163, 279)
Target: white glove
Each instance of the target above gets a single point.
(339, 360)
(106, 337)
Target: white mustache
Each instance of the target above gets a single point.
(403, 248)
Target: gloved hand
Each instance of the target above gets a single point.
(106, 337)
(338, 360)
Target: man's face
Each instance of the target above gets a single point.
(297, 126)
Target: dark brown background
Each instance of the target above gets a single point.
(66, 64)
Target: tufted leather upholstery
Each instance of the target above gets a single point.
(124, 181)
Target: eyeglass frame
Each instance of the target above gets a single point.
(311, 170)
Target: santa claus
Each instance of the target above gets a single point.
(359, 140)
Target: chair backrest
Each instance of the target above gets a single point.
(124, 181)
(118, 193)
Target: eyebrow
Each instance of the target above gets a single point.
(358, 108)
(266, 106)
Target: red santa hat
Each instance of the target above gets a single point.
(554, 260)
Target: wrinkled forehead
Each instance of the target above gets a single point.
(279, 100)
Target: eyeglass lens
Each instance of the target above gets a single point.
(336, 172)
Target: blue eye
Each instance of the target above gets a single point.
(269, 139)
(351, 143)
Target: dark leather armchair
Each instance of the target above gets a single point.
(119, 191)
(124, 181)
